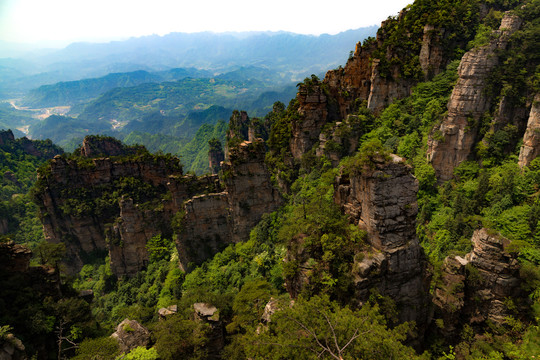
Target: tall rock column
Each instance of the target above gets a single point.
(453, 140)
(250, 191)
(531, 141)
(381, 200)
(313, 115)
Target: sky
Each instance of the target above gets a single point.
(63, 21)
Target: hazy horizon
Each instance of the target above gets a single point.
(57, 23)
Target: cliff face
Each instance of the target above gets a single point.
(117, 204)
(71, 215)
(453, 140)
(250, 192)
(364, 80)
(214, 220)
(531, 141)
(477, 288)
(313, 113)
(431, 56)
(382, 201)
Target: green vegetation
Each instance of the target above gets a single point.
(297, 264)
(80, 91)
(321, 329)
(19, 160)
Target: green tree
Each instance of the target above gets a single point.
(141, 353)
(103, 348)
(249, 303)
(177, 338)
(159, 248)
(50, 253)
(320, 329)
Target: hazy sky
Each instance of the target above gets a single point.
(31, 21)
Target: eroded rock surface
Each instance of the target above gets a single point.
(12, 348)
(482, 286)
(250, 192)
(130, 334)
(531, 141)
(79, 209)
(453, 140)
(382, 201)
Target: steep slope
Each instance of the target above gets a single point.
(453, 141)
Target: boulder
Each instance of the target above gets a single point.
(130, 334)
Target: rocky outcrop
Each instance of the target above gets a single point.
(370, 78)
(164, 313)
(351, 82)
(483, 286)
(238, 130)
(313, 115)
(212, 221)
(130, 335)
(15, 262)
(385, 89)
(94, 146)
(497, 279)
(449, 296)
(432, 53)
(531, 140)
(209, 314)
(46, 151)
(14, 257)
(12, 348)
(341, 139)
(6, 137)
(130, 234)
(454, 139)
(205, 228)
(77, 208)
(215, 156)
(81, 206)
(381, 199)
(250, 192)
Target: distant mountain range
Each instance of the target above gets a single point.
(293, 56)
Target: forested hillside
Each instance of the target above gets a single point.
(390, 211)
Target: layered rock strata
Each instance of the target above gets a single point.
(205, 228)
(482, 286)
(431, 56)
(71, 185)
(313, 115)
(212, 221)
(250, 191)
(453, 140)
(79, 208)
(382, 201)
